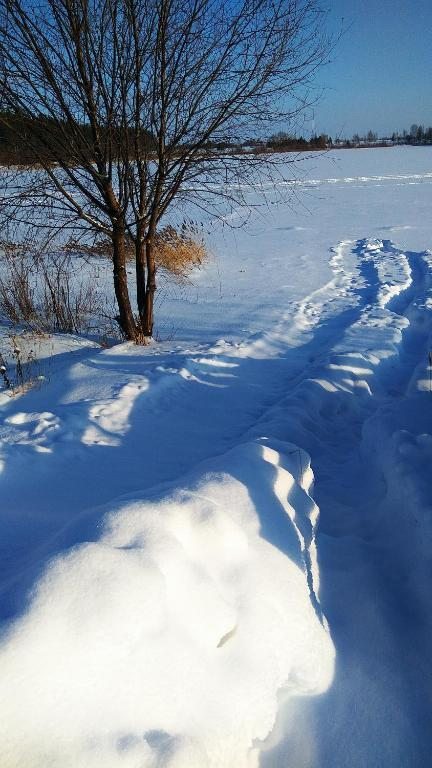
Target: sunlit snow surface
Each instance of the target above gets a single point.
(216, 551)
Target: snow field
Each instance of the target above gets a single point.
(190, 610)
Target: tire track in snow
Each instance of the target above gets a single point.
(338, 290)
(404, 282)
(336, 414)
(412, 305)
(324, 313)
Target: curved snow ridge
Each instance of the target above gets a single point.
(296, 499)
(165, 643)
(366, 357)
(386, 289)
(421, 380)
(336, 295)
(392, 266)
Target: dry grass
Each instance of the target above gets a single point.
(45, 292)
(20, 368)
(178, 252)
(48, 291)
(17, 291)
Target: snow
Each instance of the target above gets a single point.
(185, 614)
(216, 550)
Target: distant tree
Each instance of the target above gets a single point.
(356, 139)
(98, 77)
(280, 139)
(319, 142)
(371, 137)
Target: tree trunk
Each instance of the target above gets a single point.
(140, 268)
(147, 322)
(126, 318)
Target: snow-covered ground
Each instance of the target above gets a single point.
(216, 551)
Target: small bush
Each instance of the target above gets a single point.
(44, 293)
(67, 304)
(178, 252)
(20, 370)
(46, 290)
(17, 290)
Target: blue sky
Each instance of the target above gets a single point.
(380, 77)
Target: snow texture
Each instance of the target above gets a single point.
(216, 551)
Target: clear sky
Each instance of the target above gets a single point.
(380, 77)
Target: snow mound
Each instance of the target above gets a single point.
(166, 642)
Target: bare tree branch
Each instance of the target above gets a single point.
(118, 104)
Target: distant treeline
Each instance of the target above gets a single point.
(416, 135)
(279, 142)
(283, 141)
(29, 140)
(286, 142)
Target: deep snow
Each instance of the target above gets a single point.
(216, 551)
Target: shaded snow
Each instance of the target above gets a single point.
(185, 615)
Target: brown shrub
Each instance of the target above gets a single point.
(179, 251)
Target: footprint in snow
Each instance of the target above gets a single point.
(31, 428)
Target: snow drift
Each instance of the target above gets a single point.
(166, 641)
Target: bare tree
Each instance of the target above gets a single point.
(122, 103)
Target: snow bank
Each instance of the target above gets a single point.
(165, 642)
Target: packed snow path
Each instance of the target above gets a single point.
(372, 459)
(168, 598)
